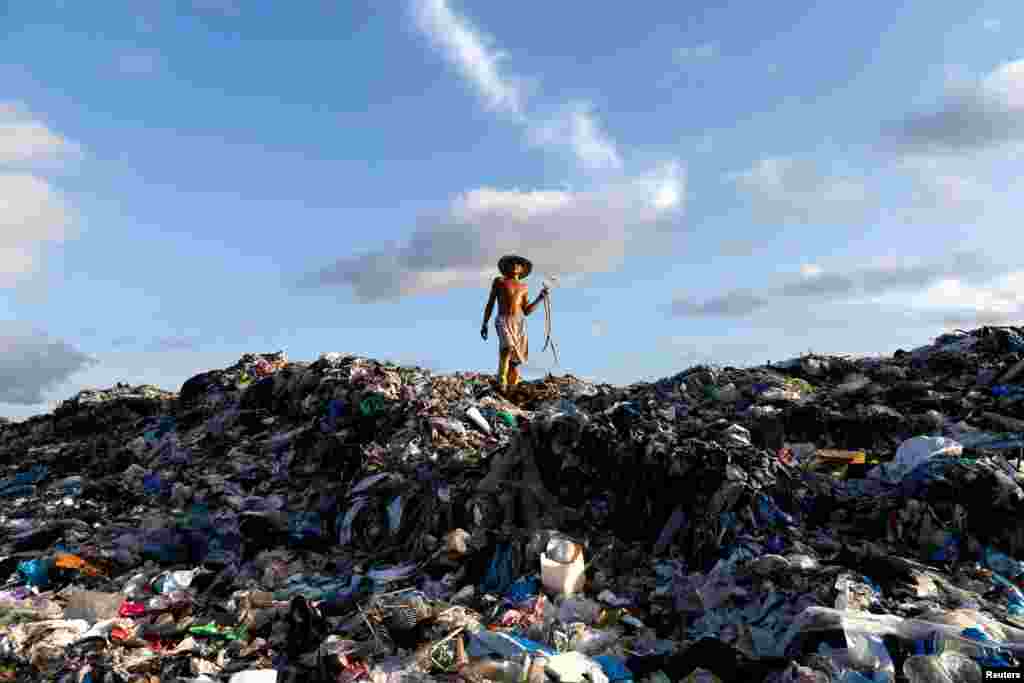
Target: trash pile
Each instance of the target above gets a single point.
(824, 519)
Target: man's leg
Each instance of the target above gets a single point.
(513, 374)
(504, 355)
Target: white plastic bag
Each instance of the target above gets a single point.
(921, 449)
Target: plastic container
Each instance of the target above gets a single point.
(72, 486)
(254, 676)
(562, 578)
(478, 419)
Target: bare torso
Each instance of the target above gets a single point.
(511, 295)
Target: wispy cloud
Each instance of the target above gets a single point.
(871, 282)
(481, 64)
(472, 53)
(460, 247)
(578, 129)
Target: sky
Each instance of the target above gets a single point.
(182, 182)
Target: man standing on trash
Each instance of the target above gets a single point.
(512, 296)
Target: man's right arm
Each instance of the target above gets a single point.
(489, 308)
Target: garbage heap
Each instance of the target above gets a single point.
(821, 519)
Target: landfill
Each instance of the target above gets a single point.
(823, 519)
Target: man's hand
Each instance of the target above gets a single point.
(483, 331)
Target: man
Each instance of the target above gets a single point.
(512, 296)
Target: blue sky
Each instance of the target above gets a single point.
(183, 182)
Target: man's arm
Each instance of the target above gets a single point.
(527, 306)
(489, 308)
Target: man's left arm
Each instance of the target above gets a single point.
(528, 308)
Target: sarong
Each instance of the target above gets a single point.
(512, 335)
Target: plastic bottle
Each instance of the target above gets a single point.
(160, 603)
(562, 567)
(498, 670)
(72, 486)
(137, 587)
(487, 643)
(865, 658)
(522, 669)
(593, 642)
(174, 581)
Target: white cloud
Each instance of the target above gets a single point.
(556, 228)
(578, 129)
(32, 212)
(784, 189)
(32, 363)
(810, 270)
(986, 113)
(25, 141)
(1002, 296)
(468, 50)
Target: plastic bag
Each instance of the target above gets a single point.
(945, 668)
(817, 619)
(921, 449)
(579, 609)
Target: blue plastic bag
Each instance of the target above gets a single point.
(614, 668)
(499, 574)
(153, 485)
(303, 526)
(1002, 563)
(35, 572)
(522, 590)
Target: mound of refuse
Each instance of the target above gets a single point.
(823, 519)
